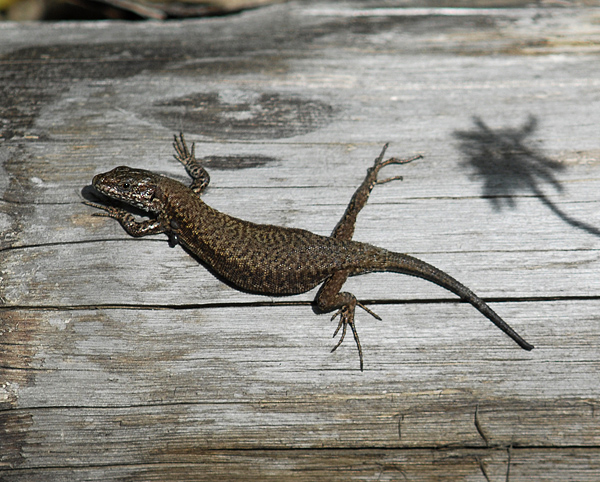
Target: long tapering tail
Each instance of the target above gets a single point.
(405, 264)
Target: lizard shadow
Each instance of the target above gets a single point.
(511, 165)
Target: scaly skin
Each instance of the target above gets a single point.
(267, 259)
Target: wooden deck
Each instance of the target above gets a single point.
(122, 359)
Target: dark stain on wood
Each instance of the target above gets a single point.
(262, 116)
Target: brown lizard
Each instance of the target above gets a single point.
(267, 259)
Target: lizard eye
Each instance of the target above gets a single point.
(125, 185)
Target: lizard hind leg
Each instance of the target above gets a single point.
(330, 298)
(345, 228)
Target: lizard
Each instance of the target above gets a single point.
(267, 259)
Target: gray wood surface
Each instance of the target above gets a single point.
(123, 359)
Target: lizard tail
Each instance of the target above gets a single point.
(405, 264)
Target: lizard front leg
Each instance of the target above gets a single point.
(345, 228)
(126, 219)
(330, 298)
(187, 157)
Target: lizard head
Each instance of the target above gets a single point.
(132, 186)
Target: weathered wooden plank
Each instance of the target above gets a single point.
(180, 433)
(412, 224)
(122, 359)
(299, 189)
(332, 168)
(158, 355)
(108, 273)
(342, 465)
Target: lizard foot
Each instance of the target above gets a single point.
(110, 211)
(187, 157)
(346, 314)
(380, 163)
(127, 220)
(182, 153)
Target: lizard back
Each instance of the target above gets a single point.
(262, 258)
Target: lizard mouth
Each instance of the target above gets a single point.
(118, 185)
(107, 190)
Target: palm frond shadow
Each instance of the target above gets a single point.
(511, 166)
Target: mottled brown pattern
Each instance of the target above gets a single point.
(267, 259)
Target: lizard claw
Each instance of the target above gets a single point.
(187, 157)
(110, 211)
(372, 313)
(184, 155)
(127, 220)
(346, 314)
(380, 163)
(393, 160)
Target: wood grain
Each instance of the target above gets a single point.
(124, 359)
